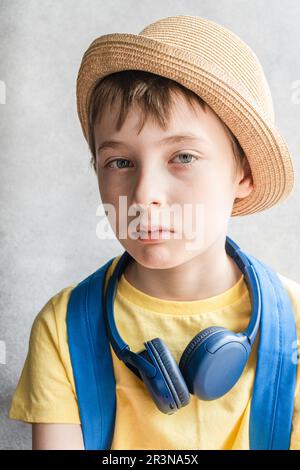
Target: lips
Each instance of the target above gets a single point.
(154, 236)
(157, 228)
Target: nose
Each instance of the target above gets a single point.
(149, 190)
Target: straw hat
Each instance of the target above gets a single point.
(216, 64)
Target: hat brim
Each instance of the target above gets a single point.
(267, 153)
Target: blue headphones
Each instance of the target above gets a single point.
(211, 363)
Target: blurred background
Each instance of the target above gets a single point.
(49, 192)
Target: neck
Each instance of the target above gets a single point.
(204, 276)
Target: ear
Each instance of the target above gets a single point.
(245, 180)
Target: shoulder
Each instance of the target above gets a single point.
(292, 288)
(291, 285)
(46, 391)
(52, 314)
(51, 318)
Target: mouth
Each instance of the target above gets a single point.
(160, 234)
(145, 229)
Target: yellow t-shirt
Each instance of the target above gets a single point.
(46, 390)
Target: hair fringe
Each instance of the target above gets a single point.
(152, 94)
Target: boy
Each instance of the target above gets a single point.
(189, 77)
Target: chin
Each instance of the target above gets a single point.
(156, 256)
(160, 255)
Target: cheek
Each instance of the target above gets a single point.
(109, 192)
(218, 206)
(210, 194)
(111, 188)
(214, 186)
(110, 203)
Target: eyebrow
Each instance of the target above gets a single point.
(166, 140)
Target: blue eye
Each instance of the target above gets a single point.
(123, 164)
(186, 155)
(118, 160)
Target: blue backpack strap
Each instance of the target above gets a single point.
(91, 360)
(273, 394)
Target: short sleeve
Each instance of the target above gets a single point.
(46, 392)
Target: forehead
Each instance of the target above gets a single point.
(184, 118)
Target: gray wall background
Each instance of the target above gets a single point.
(49, 194)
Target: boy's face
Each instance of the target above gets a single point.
(154, 177)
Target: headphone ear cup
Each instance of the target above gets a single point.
(158, 386)
(167, 387)
(170, 371)
(213, 362)
(195, 343)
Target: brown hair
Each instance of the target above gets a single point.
(153, 95)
